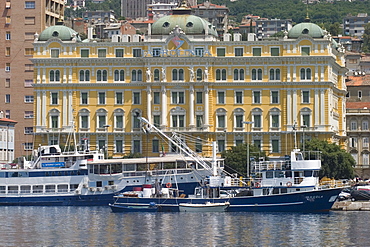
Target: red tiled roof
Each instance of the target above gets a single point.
(7, 120)
(358, 80)
(357, 105)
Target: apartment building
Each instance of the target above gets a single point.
(354, 25)
(19, 23)
(358, 119)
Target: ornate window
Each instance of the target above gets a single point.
(101, 75)
(274, 74)
(54, 76)
(256, 74)
(305, 74)
(84, 75)
(238, 74)
(119, 75)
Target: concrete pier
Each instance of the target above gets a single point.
(352, 206)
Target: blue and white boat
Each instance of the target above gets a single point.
(290, 185)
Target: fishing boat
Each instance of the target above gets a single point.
(206, 207)
(289, 185)
(118, 208)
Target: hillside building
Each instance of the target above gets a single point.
(358, 118)
(182, 78)
(354, 25)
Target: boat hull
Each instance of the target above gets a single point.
(307, 201)
(219, 207)
(121, 208)
(58, 200)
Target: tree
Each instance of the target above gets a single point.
(334, 29)
(366, 39)
(335, 161)
(236, 158)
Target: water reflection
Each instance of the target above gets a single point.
(97, 226)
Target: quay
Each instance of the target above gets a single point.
(352, 206)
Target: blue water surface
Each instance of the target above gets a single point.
(97, 226)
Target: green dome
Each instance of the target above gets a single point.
(306, 28)
(59, 31)
(190, 24)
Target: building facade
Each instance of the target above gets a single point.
(132, 9)
(217, 15)
(20, 21)
(354, 25)
(358, 118)
(7, 137)
(182, 78)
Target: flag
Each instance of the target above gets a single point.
(163, 152)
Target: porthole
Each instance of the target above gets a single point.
(166, 24)
(55, 34)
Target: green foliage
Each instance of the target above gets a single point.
(335, 162)
(236, 158)
(323, 12)
(366, 39)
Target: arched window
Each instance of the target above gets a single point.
(156, 75)
(199, 74)
(133, 75)
(218, 74)
(52, 75)
(119, 75)
(57, 75)
(238, 74)
(139, 75)
(256, 74)
(174, 75)
(101, 75)
(274, 74)
(84, 75)
(181, 74)
(305, 73)
(221, 74)
(221, 119)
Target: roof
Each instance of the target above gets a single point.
(190, 24)
(306, 28)
(7, 120)
(59, 31)
(358, 105)
(358, 81)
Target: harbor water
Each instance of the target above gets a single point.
(98, 226)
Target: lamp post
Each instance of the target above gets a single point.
(247, 123)
(106, 144)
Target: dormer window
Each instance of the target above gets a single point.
(189, 24)
(305, 31)
(55, 34)
(166, 24)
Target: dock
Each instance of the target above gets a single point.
(352, 206)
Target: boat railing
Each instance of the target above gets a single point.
(155, 172)
(270, 165)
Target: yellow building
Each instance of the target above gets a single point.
(181, 77)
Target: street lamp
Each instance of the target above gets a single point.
(248, 132)
(106, 145)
